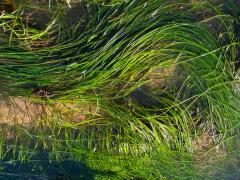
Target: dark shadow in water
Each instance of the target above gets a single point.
(46, 170)
(39, 167)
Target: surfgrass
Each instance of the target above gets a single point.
(107, 63)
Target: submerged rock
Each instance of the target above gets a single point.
(7, 6)
(37, 18)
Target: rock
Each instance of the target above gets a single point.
(36, 18)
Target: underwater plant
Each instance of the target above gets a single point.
(141, 124)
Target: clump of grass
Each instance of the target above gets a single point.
(95, 58)
(106, 63)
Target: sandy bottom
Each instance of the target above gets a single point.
(22, 111)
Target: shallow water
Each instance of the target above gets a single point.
(217, 163)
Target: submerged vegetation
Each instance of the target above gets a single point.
(150, 89)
